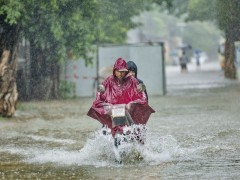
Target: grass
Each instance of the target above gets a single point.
(2, 118)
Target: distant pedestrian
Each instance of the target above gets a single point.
(183, 62)
(197, 59)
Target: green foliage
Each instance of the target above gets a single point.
(2, 118)
(67, 89)
(21, 107)
(225, 13)
(228, 13)
(58, 27)
(201, 10)
(11, 10)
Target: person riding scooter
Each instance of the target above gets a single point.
(120, 88)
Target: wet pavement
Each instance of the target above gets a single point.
(194, 134)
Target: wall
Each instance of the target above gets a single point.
(149, 59)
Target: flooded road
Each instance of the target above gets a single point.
(194, 134)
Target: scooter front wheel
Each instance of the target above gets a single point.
(117, 140)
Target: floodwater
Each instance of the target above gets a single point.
(194, 134)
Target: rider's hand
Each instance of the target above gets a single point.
(107, 108)
(128, 106)
(101, 88)
(141, 87)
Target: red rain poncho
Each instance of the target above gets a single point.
(121, 93)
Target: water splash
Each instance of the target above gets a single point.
(98, 150)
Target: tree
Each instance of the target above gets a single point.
(57, 30)
(228, 13)
(223, 13)
(9, 35)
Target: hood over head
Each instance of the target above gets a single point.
(132, 67)
(120, 65)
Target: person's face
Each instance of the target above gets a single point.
(120, 74)
(132, 73)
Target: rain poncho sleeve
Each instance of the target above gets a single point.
(123, 93)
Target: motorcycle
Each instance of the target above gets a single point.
(124, 130)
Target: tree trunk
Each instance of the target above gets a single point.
(229, 69)
(8, 92)
(8, 54)
(232, 35)
(44, 75)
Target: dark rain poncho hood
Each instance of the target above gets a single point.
(132, 67)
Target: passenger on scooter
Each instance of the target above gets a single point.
(120, 88)
(132, 70)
